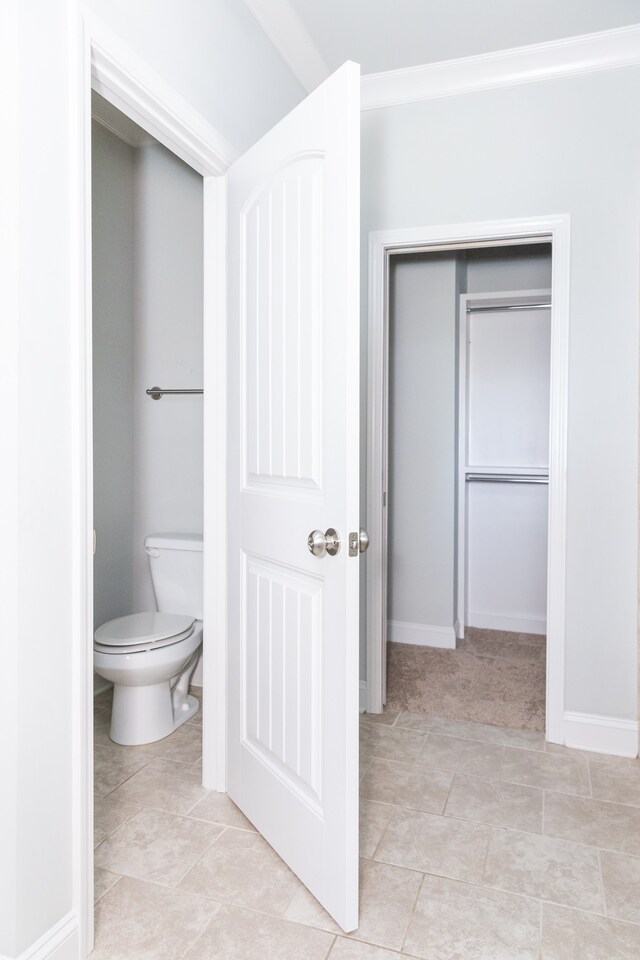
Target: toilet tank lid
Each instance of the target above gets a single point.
(175, 541)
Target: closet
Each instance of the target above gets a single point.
(503, 431)
(468, 437)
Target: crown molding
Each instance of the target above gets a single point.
(571, 57)
(291, 39)
(125, 80)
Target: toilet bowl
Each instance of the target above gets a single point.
(150, 657)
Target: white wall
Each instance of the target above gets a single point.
(43, 333)
(215, 55)
(563, 146)
(113, 203)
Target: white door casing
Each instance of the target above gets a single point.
(293, 403)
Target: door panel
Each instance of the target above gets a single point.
(293, 239)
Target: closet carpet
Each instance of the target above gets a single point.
(492, 677)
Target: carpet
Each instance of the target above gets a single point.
(492, 677)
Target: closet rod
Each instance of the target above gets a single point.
(507, 477)
(510, 306)
(157, 392)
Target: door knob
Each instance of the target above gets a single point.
(358, 542)
(320, 543)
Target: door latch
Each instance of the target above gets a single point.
(358, 542)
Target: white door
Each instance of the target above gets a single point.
(293, 250)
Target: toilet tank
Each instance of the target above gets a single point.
(175, 560)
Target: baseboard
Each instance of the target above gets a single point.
(519, 623)
(421, 634)
(588, 731)
(60, 942)
(363, 696)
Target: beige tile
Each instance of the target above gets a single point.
(462, 756)
(544, 867)
(618, 783)
(454, 920)
(156, 846)
(365, 763)
(346, 949)
(387, 896)
(418, 722)
(621, 883)
(108, 815)
(242, 868)
(103, 701)
(378, 740)
(113, 767)
(144, 920)
(406, 785)
(559, 773)
(587, 755)
(573, 935)
(614, 826)
(218, 808)
(103, 880)
(387, 717)
(467, 730)
(237, 934)
(432, 844)
(499, 804)
(374, 817)
(184, 744)
(101, 738)
(164, 785)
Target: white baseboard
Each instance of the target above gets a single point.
(587, 731)
(519, 623)
(60, 942)
(421, 634)
(363, 696)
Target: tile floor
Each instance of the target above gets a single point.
(477, 843)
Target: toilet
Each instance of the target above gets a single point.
(150, 657)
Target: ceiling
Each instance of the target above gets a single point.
(317, 36)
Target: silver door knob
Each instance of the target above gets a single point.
(320, 543)
(358, 542)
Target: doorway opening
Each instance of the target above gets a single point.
(468, 441)
(467, 404)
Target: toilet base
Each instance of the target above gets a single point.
(146, 714)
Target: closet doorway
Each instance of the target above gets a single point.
(457, 590)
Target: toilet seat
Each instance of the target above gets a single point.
(142, 631)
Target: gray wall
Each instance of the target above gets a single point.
(423, 359)
(148, 279)
(562, 146)
(168, 447)
(113, 196)
(422, 439)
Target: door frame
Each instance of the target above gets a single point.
(491, 233)
(116, 72)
